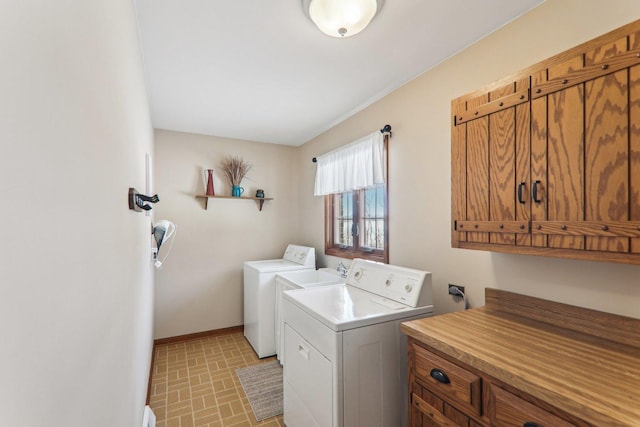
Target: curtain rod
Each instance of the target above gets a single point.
(386, 130)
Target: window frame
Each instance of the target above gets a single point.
(333, 249)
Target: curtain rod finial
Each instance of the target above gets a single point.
(386, 129)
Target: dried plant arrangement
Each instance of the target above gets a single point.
(235, 169)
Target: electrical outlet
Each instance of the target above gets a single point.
(452, 289)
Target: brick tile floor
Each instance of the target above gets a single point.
(194, 383)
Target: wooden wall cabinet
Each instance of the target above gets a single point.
(547, 161)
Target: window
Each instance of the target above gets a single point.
(356, 224)
(353, 181)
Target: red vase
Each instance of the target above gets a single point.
(210, 191)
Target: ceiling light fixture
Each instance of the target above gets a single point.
(341, 18)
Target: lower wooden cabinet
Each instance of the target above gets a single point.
(448, 394)
(521, 361)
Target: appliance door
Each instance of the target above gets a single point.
(259, 310)
(307, 384)
(250, 290)
(260, 303)
(281, 286)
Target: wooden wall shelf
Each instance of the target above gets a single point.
(206, 198)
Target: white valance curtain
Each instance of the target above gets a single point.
(360, 164)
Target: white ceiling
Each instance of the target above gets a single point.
(260, 70)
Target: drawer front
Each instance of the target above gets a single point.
(448, 380)
(427, 410)
(428, 415)
(507, 410)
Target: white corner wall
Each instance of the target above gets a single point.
(75, 277)
(199, 287)
(420, 170)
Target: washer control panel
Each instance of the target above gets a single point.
(302, 255)
(404, 285)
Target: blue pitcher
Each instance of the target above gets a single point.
(236, 191)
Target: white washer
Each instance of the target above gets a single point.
(298, 280)
(259, 295)
(346, 358)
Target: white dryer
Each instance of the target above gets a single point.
(259, 295)
(346, 358)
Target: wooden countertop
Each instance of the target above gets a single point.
(584, 362)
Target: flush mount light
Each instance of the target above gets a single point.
(341, 18)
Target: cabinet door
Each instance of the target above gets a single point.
(490, 153)
(549, 164)
(584, 155)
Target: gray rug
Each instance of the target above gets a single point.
(263, 386)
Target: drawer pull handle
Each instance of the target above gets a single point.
(439, 376)
(530, 424)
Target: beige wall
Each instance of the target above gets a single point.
(419, 167)
(199, 287)
(75, 273)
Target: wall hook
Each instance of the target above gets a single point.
(137, 200)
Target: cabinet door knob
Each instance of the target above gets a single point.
(439, 376)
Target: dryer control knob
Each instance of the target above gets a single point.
(408, 288)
